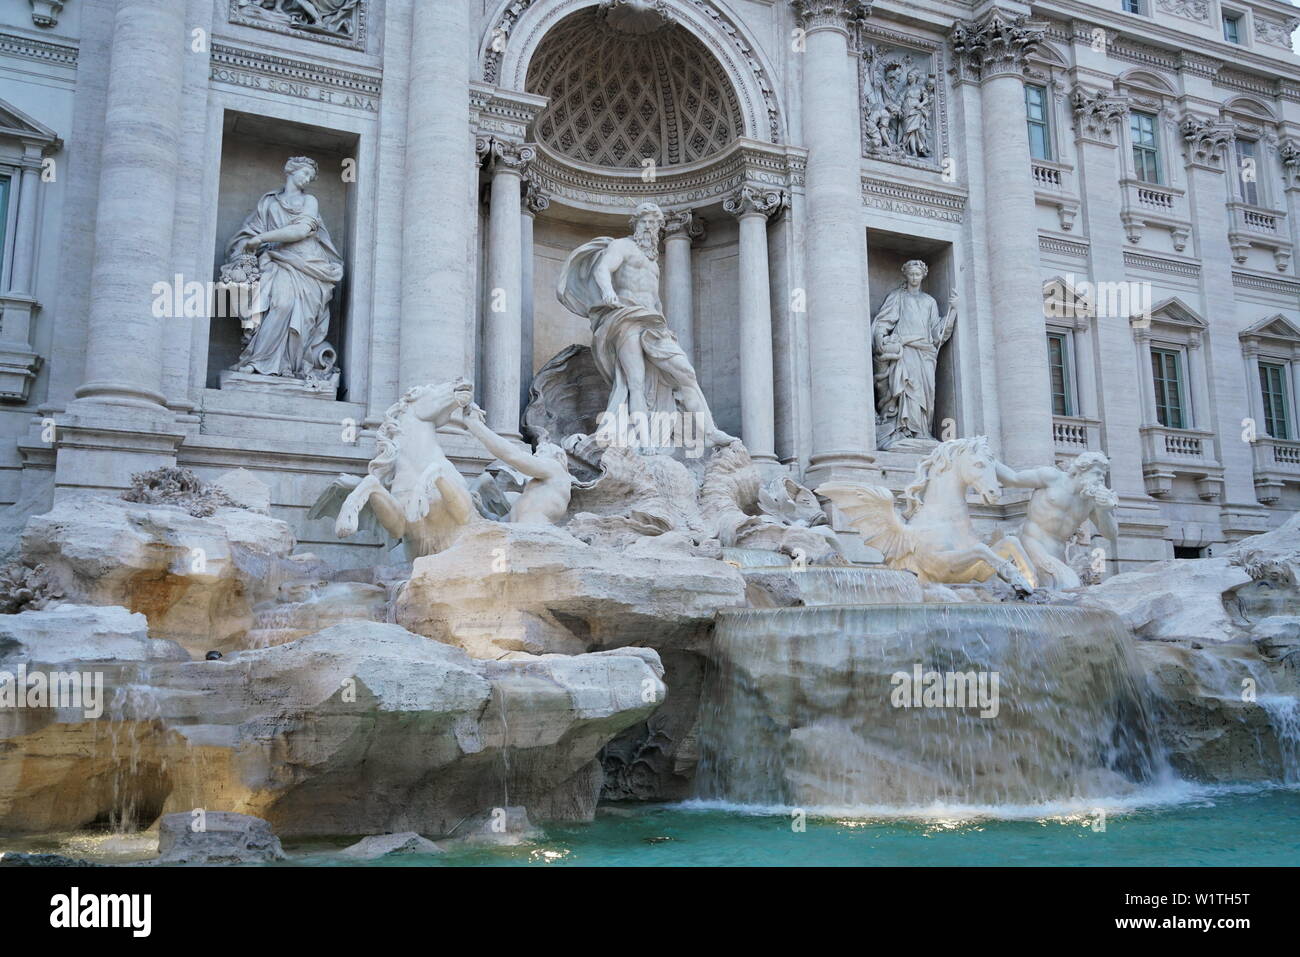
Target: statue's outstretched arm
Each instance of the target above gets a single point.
(507, 452)
(1029, 478)
(1104, 518)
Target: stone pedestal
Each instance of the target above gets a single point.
(324, 389)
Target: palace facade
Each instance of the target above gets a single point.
(1112, 189)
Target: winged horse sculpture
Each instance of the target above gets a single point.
(933, 536)
(411, 487)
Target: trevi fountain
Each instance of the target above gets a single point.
(611, 565)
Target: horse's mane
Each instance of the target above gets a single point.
(384, 463)
(940, 460)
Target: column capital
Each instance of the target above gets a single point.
(998, 44)
(1289, 153)
(1206, 141)
(684, 224)
(753, 200)
(1097, 115)
(840, 15)
(535, 199)
(504, 156)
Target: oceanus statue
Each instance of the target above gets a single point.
(933, 536)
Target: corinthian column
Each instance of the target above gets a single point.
(137, 195)
(993, 49)
(680, 231)
(503, 318)
(843, 406)
(752, 206)
(435, 331)
(119, 424)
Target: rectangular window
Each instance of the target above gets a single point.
(1248, 171)
(1277, 410)
(1146, 147)
(1058, 358)
(1232, 27)
(1040, 133)
(1132, 6)
(1166, 367)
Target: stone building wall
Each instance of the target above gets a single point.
(149, 128)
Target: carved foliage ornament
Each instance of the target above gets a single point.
(998, 44)
(1206, 141)
(830, 14)
(495, 154)
(1097, 113)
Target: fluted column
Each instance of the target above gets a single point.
(436, 327)
(137, 196)
(503, 317)
(994, 50)
(681, 230)
(534, 202)
(752, 206)
(843, 405)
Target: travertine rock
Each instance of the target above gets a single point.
(245, 490)
(82, 633)
(224, 838)
(1176, 599)
(196, 579)
(381, 845)
(360, 729)
(504, 588)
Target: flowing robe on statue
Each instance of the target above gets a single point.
(291, 311)
(613, 325)
(905, 383)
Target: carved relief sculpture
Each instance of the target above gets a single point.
(906, 336)
(329, 19)
(285, 252)
(899, 97)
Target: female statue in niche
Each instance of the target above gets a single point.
(296, 267)
(906, 336)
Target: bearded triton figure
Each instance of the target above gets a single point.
(1061, 503)
(906, 337)
(614, 283)
(289, 316)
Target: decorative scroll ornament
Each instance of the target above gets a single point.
(1097, 113)
(496, 154)
(997, 45)
(685, 223)
(1206, 141)
(1198, 10)
(750, 199)
(830, 14)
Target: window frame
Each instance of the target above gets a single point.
(6, 230)
(1069, 374)
(1141, 5)
(1155, 150)
(1238, 19)
(1178, 353)
(1045, 123)
(1286, 372)
(1260, 199)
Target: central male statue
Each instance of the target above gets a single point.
(614, 283)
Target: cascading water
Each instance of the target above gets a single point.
(803, 707)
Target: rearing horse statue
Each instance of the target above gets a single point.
(934, 536)
(411, 487)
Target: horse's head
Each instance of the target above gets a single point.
(439, 402)
(977, 468)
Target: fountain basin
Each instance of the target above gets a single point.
(803, 706)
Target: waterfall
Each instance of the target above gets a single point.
(805, 706)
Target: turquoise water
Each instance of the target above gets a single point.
(1192, 827)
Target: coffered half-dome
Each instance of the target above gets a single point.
(619, 97)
